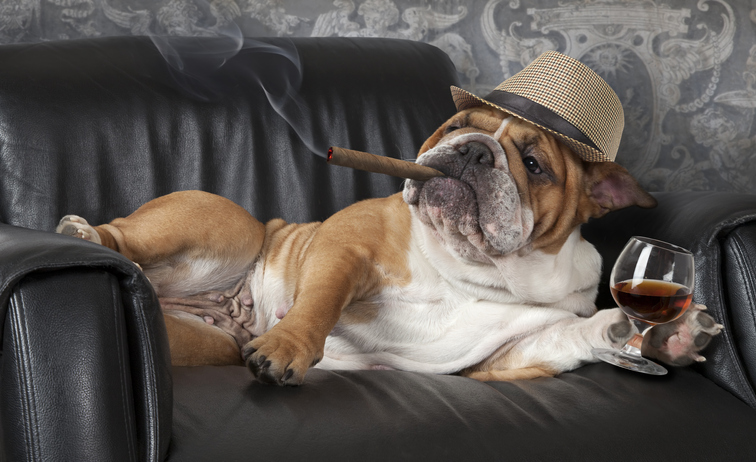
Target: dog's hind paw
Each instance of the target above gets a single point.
(679, 342)
(76, 226)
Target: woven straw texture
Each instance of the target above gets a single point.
(575, 93)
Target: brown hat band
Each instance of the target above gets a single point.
(538, 114)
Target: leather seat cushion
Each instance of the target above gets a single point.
(595, 413)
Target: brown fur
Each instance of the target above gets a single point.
(190, 223)
(525, 373)
(176, 228)
(347, 258)
(194, 342)
(576, 205)
(326, 275)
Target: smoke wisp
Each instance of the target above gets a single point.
(195, 62)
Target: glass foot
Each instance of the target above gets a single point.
(627, 361)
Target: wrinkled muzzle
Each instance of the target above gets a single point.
(476, 207)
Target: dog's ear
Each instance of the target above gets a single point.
(610, 186)
(433, 140)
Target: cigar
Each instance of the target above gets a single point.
(380, 164)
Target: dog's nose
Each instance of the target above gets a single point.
(476, 151)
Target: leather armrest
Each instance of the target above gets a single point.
(739, 281)
(85, 373)
(719, 229)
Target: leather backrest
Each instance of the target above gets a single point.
(98, 127)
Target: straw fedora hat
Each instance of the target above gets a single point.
(562, 95)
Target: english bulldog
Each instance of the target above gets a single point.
(482, 272)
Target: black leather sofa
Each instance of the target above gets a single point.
(97, 127)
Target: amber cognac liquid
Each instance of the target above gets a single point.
(653, 301)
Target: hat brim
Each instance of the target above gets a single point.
(538, 115)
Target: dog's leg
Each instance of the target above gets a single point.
(325, 286)
(189, 244)
(679, 342)
(193, 342)
(348, 258)
(560, 347)
(193, 223)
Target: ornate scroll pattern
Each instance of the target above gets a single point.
(380, 19)
(190, 18)
(725, 129)
(643, 49)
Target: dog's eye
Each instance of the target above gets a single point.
(532, 165)
(450, 128)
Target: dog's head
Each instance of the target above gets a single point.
(511, 187)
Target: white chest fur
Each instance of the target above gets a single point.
(455, 314)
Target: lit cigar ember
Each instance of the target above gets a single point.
(380, 164)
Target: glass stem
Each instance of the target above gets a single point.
(633, 346)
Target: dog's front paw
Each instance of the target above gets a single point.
(620, 332)
(281, 357)
(617, 329)
(76, 226)
(677, 343)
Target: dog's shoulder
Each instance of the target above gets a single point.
(378, 213)
(380, 228)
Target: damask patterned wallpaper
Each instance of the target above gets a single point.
(684, 70)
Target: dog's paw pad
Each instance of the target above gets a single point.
(73, 219)
(620, 332)
(76, 226)
(84, 234)
(679, 342)
(615, 328)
